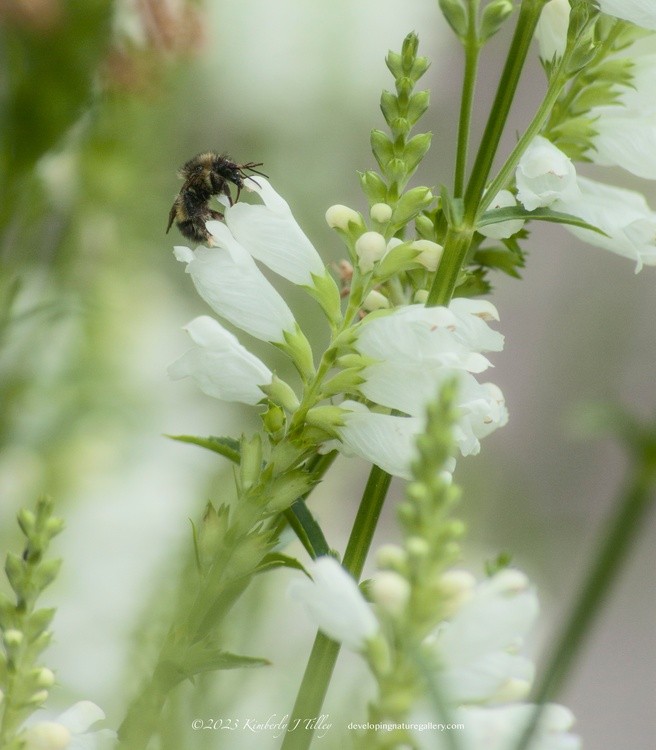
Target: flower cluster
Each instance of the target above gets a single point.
(606, 117)
(391, 360)
(474, 651)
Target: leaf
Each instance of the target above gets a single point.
(539, 214)
(277, 560)
(225, 446)
(202, 657)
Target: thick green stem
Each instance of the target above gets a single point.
(456, 246)
(529, 14)
(623, 528)
(321, 663)
(472, 51)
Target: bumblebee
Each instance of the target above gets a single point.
(204, 176)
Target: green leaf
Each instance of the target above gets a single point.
(225, 446)
(277, 560)
(539, 214)
(201, 658)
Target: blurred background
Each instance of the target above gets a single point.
(101, 103)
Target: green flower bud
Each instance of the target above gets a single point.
(37, 622)
(27, 521)
(417, 547)
(389, 106)
(415, 150)
(298, 348)
(382, 148)
(373, 187)
(391, 592)
(325, 417)
(274, 421)
(370, 248)
(250, 466)
(377, 653)
(420, 296)
(326, 293)
(392, 557)
(425, 227)
(411, 204)
(45, 574)
(15, 570)
(44, 677)
(281, 394)
(13, 638)
(38, 698)
(493, 17)
(417, 105)
(455, 12)
(346, 381)
(409, 51)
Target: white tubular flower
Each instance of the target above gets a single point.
(640, 12)
(545, 175)
(551, 31)
(70, 731)
(271, 235)
(625, 132)
(385, 440)
(623, 215)
(220, 365)
(227, 278)
(504, 229)
(333, 600)
(477, 647)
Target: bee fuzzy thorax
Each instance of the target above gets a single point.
(206, 175)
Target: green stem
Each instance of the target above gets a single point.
(539, 119)
(623, 528)
(456, 246)
(529, 14)
(321, 663)
(472, 51)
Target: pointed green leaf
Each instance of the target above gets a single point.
(277, 560)
(225, 446)
(539, 214)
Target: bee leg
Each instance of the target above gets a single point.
(172, 214)
(216, 215)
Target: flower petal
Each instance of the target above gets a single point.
(271, 235)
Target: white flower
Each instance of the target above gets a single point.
(333, 600)
(640, 12)
(503, 229)
(385, 440)
(625, 132)
(227, 278)
(271, 235)
(339, 217)
(69, 731)
(622, 214)
(544, 175)
(551, 31)
(477, 647)
(500, 728)
(220, 365)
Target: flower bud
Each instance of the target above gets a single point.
(375, 301)
(45, 677)
(551, 31)
(381, 212)
(494, 14)
(430, 253)
(391, 556)
(391, 592)
(339, 217)
(13, 638)
(421, 295)
(38, 698)
(370, 248)
(455, 13)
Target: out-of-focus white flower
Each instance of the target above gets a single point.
(220, 365)
(70, 731)
(477, 646)
(500, 728)
(504, 229)
(333, 600)
(271, 235)
(228, 279)
(545, 175)
(551, 31)
(640, 12)
(390, 591)
(623, 215)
